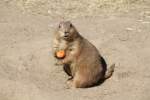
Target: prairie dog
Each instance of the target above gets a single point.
(82, 62)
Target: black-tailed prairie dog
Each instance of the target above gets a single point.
(82, 61)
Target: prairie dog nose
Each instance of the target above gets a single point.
(66, 33)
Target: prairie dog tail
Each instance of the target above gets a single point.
(109, 71)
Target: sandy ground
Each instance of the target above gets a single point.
(27, 71)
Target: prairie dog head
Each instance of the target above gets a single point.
(66, 30)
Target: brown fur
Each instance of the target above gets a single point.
(83, 61)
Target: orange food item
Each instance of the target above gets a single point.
(60, 54)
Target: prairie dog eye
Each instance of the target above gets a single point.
(59, 26)
(70, 25)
